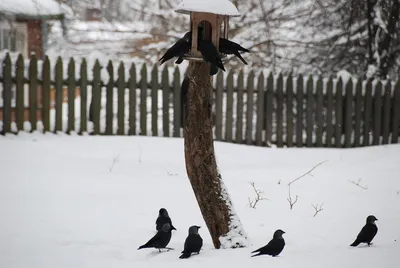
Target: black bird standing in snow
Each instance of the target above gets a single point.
(163, 218)
(180, 48)
(193, 242)
(160, 239)
(274, 247)
(228, 47)
(210, 54)
(367, 233)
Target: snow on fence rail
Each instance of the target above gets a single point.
(248, 109)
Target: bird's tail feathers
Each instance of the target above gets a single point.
(258, 254)
(213, 69)
(240, 57)
(185, 255)
(355, 243)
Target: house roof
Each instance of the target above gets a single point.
(220, 7)
(32, 9)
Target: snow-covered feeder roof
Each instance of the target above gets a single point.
(220, 7)
(31, 8)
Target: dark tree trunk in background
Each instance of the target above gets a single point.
(200, 159)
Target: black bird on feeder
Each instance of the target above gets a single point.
(210, 54)
(180, 48)
(228, 47)
(274, 247)
(367, 233)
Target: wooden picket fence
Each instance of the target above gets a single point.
(281, 110)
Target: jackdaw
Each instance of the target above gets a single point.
(367, 233)
(274, 247)
(193, 242)
(210, 54)
(162, 218)
(179, 49)
(160, 239)
(228, 47)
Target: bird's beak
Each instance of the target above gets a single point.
(198, 227)
(284, 232)
(173, 228)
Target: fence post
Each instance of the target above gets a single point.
(269, 107)
(218, 106)
(249, 108)
(377, 114)
(96, 98)
(386, 112)
(310, 111)
(260, 109)
(110, 100)
(83, 88)
(329, 112)
(367, 113)
(154, 101)
(396, 113)
(239, 108)
(358, 110)
(7, 85)
(71, 95)
(20, 102)
(59, 94)
(280, 99)
(229, 108)
(348, 115)
(299, 111)
(166, 94)
(339, 114)
(289, 110)
(143, 100)
(177, 103)
(33, 83)
(132, 100)
(121, 99)
(46, 95)
(319, 111)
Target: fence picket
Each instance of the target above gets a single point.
(177, 103)
(239, 108)
(59, 94)
(110, 99)
(329, 113)
(310, 112)
(71, 95)
(249, 108)
(377, 112)
(289, 110)
(299, 111)
(20, 101)
(386, 113)
(166, 95)
(339, 113)
(121, 99)
(83, 89)
(218, 106)
(33, 87)
(154, 101)
(46, 95)
(358, 114)
(229, 108)
(260, 109)
(396, 113)
(348, 114)
(367, 113)
(143, 101)
(132, 100)
(7, 85)
(319, 113)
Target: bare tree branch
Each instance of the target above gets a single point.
(317, 208)
(358, 184)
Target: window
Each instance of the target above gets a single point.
(11, 40)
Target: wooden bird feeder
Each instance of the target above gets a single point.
(209, 15)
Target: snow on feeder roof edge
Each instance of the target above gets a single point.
(220, 7)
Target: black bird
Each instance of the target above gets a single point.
(367, 233)
(180, 48)
(163, 218)
(160, 239)
(274, 247)
(210, 54)
(193, 242)
(228, 47)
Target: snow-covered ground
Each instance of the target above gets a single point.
(84, 201)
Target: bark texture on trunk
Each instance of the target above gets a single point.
(201, 165)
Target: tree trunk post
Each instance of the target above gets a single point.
(201, 166)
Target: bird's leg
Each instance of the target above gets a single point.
(369, 244)
(159, 250)
(168, 249)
